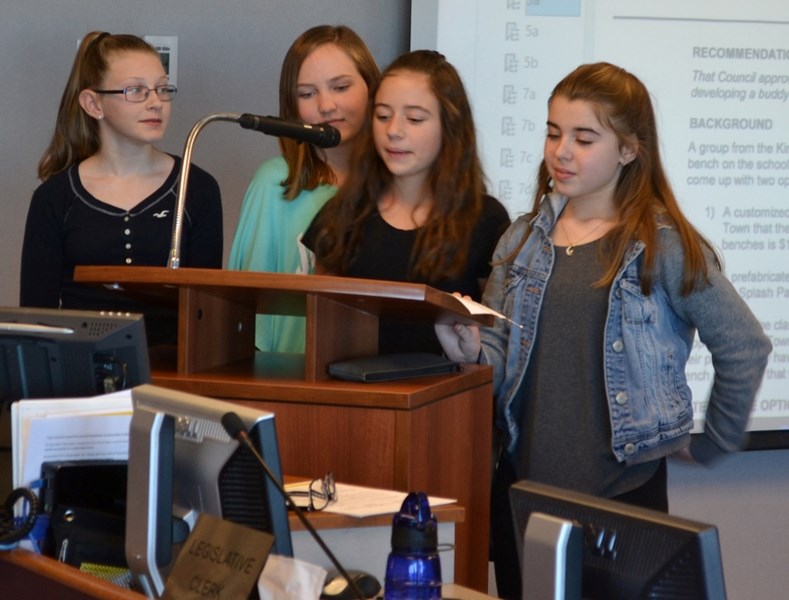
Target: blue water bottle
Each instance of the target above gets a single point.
(413, 570)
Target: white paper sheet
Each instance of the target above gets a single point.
(359, 501)
(68, 429)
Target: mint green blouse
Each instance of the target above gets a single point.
(268, 238)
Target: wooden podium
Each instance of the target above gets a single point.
(431, 434)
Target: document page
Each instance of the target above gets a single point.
(68, 429)
(359, 501)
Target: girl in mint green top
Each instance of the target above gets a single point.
(268, 238)
(326, 78)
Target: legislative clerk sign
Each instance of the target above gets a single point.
(219, 560)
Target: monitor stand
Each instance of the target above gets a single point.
(552, 550)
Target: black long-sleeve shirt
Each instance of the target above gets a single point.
(67, 226)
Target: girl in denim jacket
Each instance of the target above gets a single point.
(608, 283)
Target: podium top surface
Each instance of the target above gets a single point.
(274, 290)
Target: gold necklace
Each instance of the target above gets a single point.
(569, 250)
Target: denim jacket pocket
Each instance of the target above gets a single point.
(637, 308)
(665, 395)
(524, 288)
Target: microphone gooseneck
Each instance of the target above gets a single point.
(324, 136)
(236, 429)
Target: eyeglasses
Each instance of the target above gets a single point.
(140, 93)
(320, 493)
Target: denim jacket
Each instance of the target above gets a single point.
(647, 343)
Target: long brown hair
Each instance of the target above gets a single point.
(456, 183)
(307, 168)
(76, 134)
(643, 195)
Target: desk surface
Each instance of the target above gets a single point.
(24, 574)
(22, 571)
(452, 591)
(447, 513)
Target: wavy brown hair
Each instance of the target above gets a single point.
(643, 195)
(76, 134)
(456, 184)
(307, 168)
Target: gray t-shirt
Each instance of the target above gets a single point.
(566, 431)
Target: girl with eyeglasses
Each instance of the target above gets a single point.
(108, 194)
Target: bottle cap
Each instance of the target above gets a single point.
(415, 528)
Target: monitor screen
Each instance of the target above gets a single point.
(627, 552)
(52, 353)
(182, 463)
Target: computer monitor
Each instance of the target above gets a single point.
(182, 463)
(52, 353)
(626, 552)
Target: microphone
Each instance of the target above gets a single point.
(323, 136)
(236, 429)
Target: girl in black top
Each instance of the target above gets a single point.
(414, 207)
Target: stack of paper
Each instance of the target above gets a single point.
(95, 428)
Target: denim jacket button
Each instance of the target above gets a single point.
(621, 398)
(618, 346)
(630, 448)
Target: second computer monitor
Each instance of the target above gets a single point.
(182, 463)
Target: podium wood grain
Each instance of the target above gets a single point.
(431, 434)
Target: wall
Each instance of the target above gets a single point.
(230, 53)
(747, 496)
